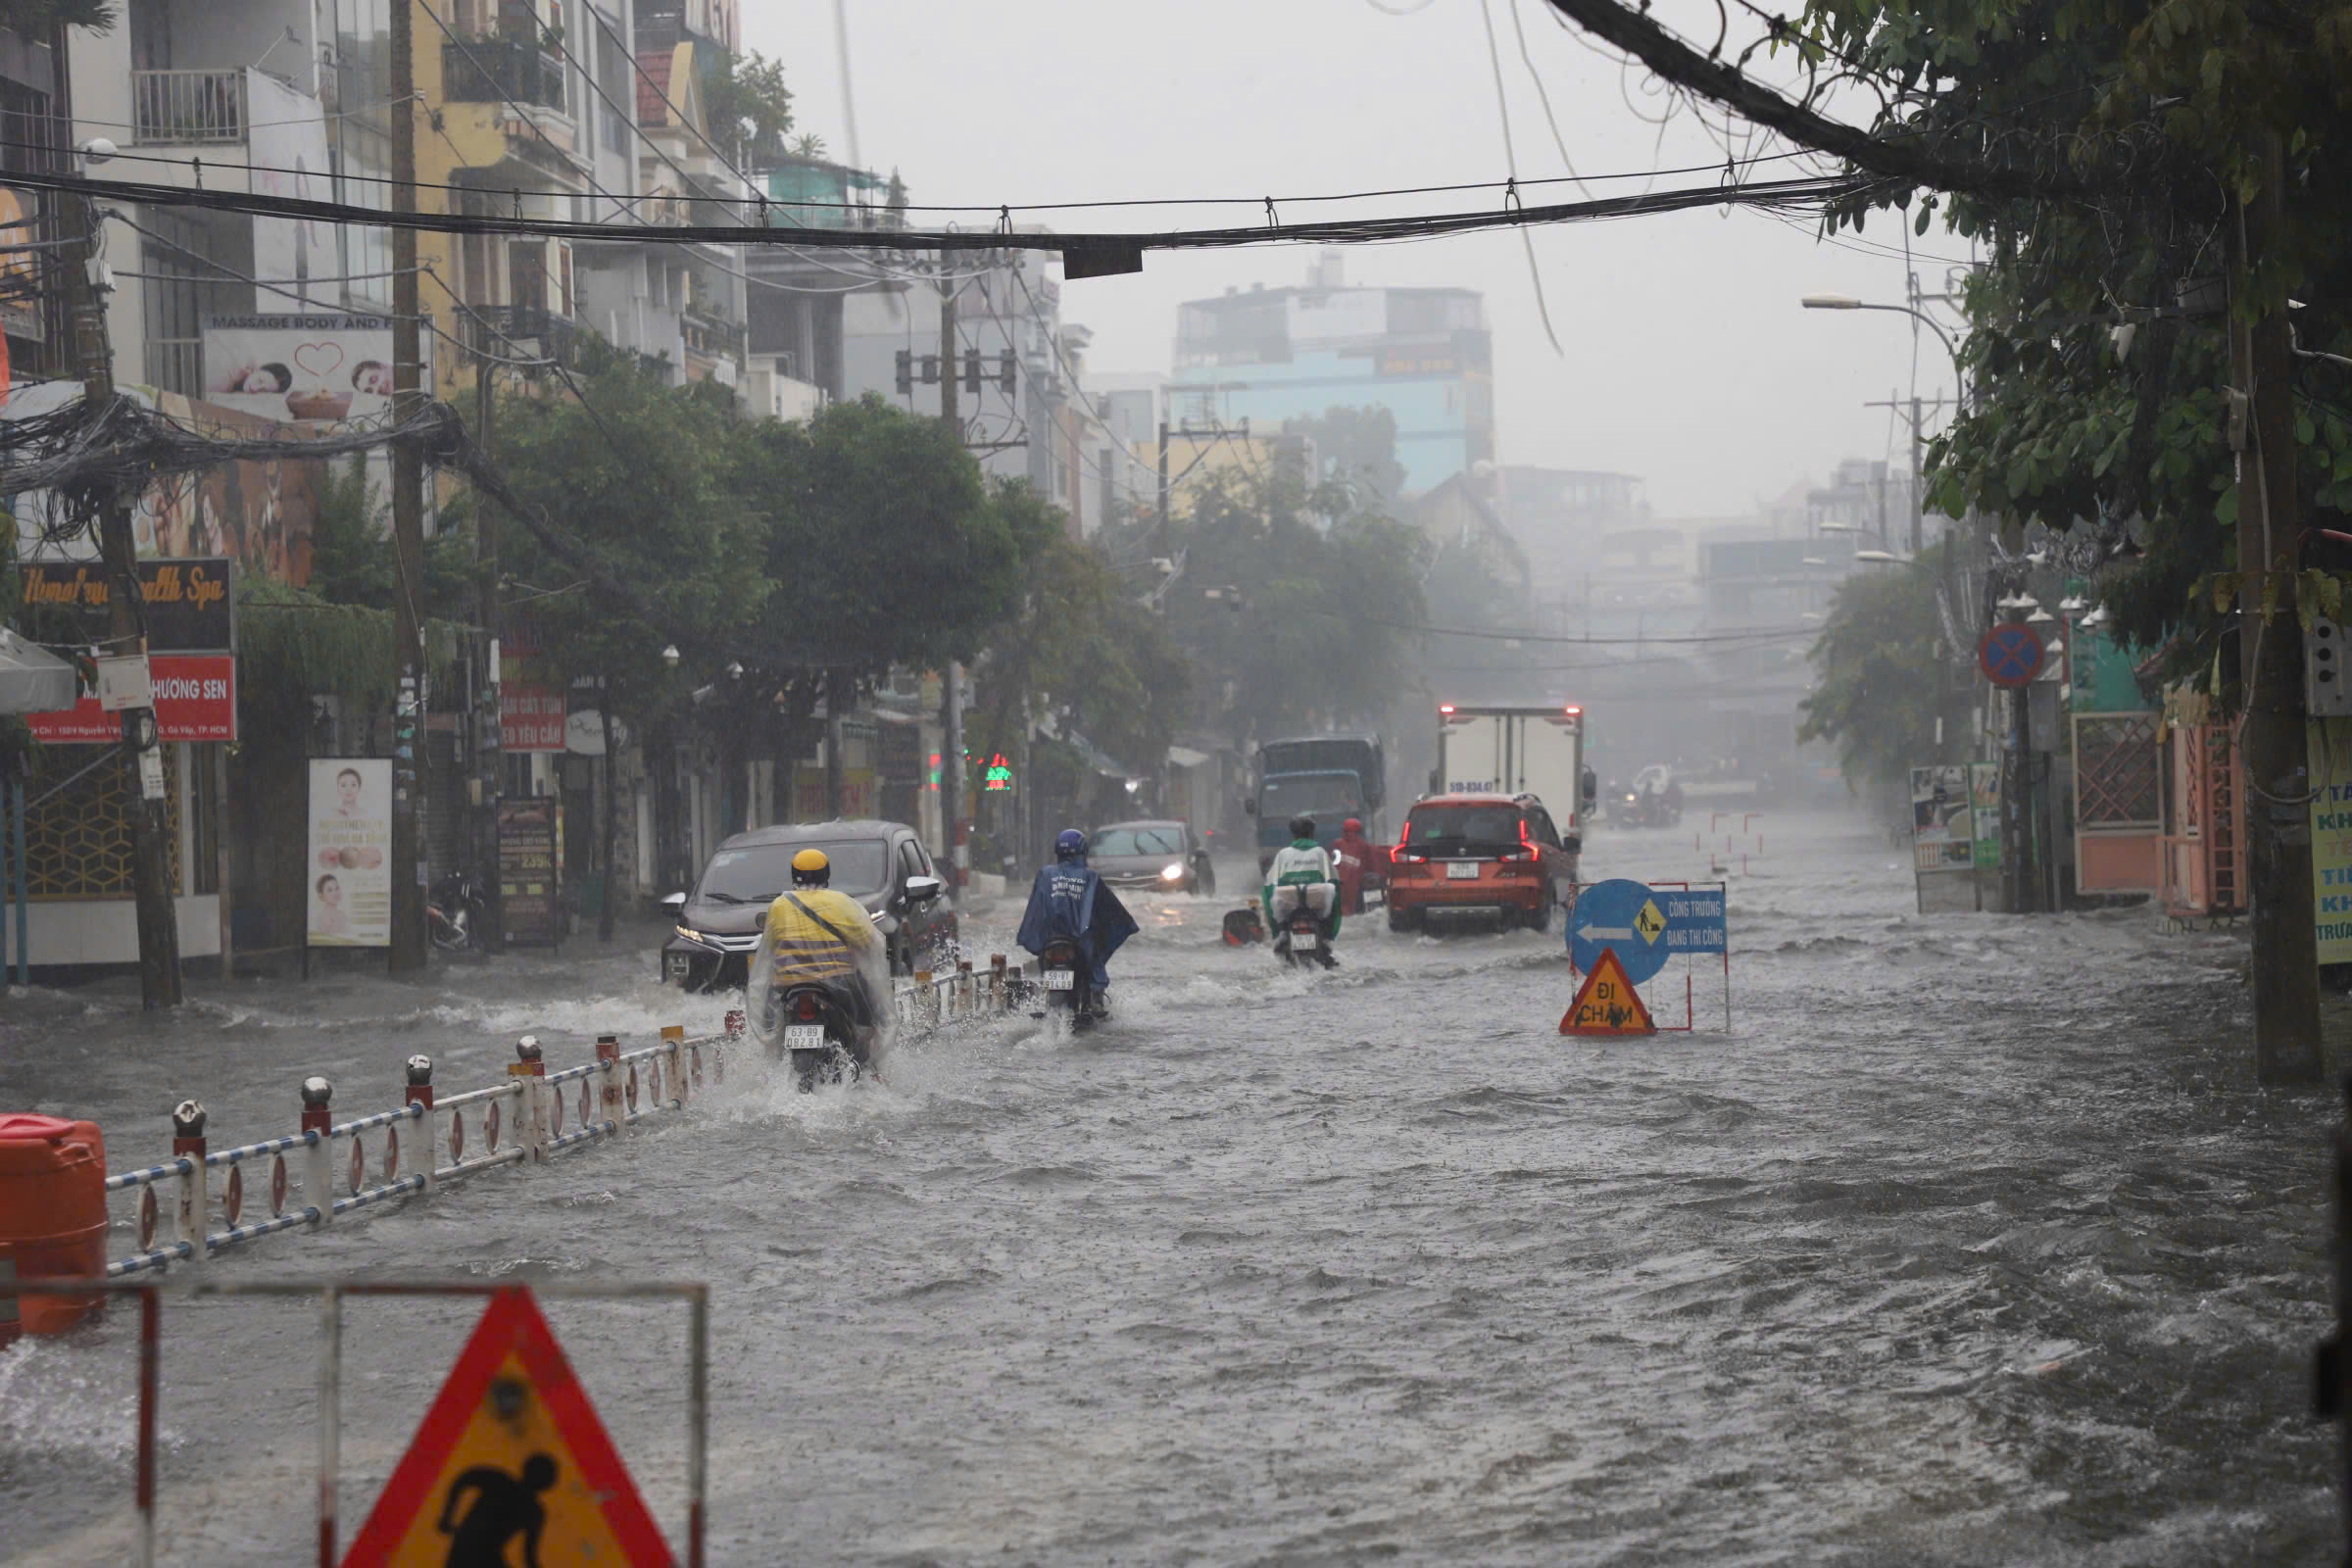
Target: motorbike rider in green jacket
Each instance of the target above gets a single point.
(1304, 865)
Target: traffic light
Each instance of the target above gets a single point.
(906, 371)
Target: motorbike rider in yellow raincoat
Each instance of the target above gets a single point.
(816, 936)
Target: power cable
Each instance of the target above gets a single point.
(1503, 103)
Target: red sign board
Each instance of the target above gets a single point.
(195, 700)
(530, 718)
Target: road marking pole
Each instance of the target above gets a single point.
(191, 1209)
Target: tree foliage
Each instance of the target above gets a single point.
(1355, 447)
(749, 108)
(1324, 627)
(1878, 662)
(1082, 649)
(2169, 112)
(32, 18)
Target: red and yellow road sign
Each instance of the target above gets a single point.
(510, 1464)
(1608, 1004)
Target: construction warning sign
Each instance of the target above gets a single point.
(510, 1465)
(1608, 1004)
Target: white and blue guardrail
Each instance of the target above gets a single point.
(521, 1121)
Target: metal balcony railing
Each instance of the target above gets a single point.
(188, 106)
(511, 331)
(492, 71)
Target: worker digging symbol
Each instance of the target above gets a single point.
(503, 1507)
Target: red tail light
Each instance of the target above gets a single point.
(805, 1006)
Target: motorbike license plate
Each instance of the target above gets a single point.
(1462, 870)
(803, 1037)
(1303, 942)
(1061, 979)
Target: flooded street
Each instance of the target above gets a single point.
(1972, 1243)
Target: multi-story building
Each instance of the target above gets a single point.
(1270, 355)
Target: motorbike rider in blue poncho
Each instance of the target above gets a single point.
(1069, 901)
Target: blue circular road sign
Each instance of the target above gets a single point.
(2010, 654)
(1622, 914)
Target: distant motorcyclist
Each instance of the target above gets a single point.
(1301, 872)
(1674, 801)
(816, 936)
(1070, 903)
(1358, 864)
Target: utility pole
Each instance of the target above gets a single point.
(953, 825)
(488, 719)
(409, 877)
(1919, 488)
(142, 748)
(1161, 544)
(2286, 943)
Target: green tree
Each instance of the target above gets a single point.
(1325, 625)
(1355, 447)
(2142, 124)
(32, 18)
(1878, 664)
(1080, 647)
(749, 108)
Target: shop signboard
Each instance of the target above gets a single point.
(530, 870)
(188, 600)
(349, 870)
(195, 700)
(531, 718)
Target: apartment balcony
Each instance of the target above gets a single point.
(520, 331)
(188, 108)
(494, 71)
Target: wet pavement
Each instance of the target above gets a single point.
(1973, 1242)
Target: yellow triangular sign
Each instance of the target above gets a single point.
(1608, 1004)
(510, 1465)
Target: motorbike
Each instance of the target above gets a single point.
(1634, 810)
(1068, 982)
(816, 1031)
(1301, 940)
(455, 914)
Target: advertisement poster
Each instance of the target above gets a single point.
(2331, 751)
(330, 367)
(1985, 799)
(195, 700)
(530, 718)
(1942, 818)
(529, 871)
(348, 869)
(288, 142)
(256, 512)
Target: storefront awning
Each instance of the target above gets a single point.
(33, 680)
(1186, 756)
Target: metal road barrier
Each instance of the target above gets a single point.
(521, 1122)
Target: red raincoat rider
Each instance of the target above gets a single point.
(1358, 864)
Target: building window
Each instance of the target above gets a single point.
(178, 297)
(613, 73)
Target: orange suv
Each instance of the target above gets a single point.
(1497, 858)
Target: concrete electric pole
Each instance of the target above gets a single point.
(409, 873)
(2285, 940)
(142, 748)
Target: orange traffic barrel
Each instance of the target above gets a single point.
(53, 1219)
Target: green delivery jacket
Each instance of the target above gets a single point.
(1301, 863)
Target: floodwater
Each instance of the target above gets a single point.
(1972, 1241)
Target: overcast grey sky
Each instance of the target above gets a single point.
(1688, 360)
